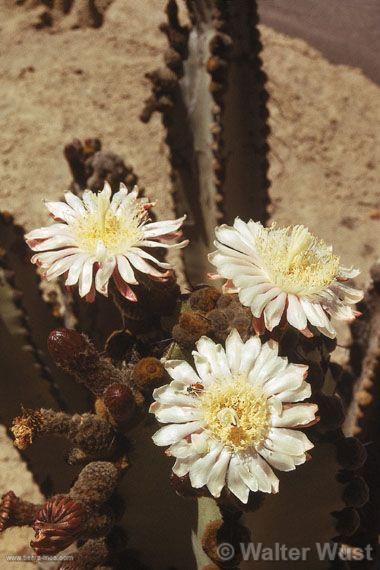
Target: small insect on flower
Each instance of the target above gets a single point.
(235, 416)
(102, 236)
(285, 271)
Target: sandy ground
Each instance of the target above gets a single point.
(60, 84)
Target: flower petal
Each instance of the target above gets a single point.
(172, 433)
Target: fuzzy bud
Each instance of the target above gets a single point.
(149, 374)
(96, 483)
(190, 328)
(204, 299)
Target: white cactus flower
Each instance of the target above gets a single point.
(233, 417)
(100, 237)
(285, 270)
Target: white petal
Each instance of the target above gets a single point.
(216, 356)
(200, 443)
(234, 481)
(75, 270)
(203, 367)
(163, 227)
(200, 469)
(266, 479)
(217, 477)
(103, 275)
(348, 272)
(181, 370)
(287, 441)
(234, 347)
(145, 255)
(181, 466)
(348, 294)
(54, 243)
(177, 414)
(314, 313)
(48, 232)
(75, 202)
(260, 302)
(290, 378)
(142, 265)
(181, 450)
(125, 270)
(249, 295)
(167, 395)
(86, 277)
(174, 432)
(90, 200)
(249, 354)
(61, 211)
(299, 414)
(280, 461)
(61, 266)
(230, 237)
(267, 364)
(295, 313)
(274, 310)
(303, 392)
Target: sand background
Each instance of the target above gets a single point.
(59, 83)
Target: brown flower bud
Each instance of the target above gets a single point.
(148, 374)
(58, 524)
(120, 401)
(75, 353)
(66, 346)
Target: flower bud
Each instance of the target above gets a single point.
(148, 374)
(120, 401)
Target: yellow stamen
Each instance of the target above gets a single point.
(103, 227)
(235, 414)
(295, 260)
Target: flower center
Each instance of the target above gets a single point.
(296, 261)
(103, 230)
(235, 414)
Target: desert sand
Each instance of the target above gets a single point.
(58, 83)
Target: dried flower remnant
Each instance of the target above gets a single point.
(57, 525)
(279, 271)
(26, 427)
(234, 417)
(101, 237)
(15, 511)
